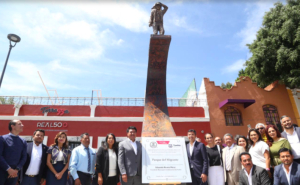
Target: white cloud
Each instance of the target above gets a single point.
(80, 30)
(130, 16)
(56, 31)
(75, 39)
(22, 77)
(254, 21)
(119, 42)
(180, 22)
(235, 67)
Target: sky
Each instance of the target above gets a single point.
(80, 46)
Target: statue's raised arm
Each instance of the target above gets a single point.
(165, 8)
(156, 18)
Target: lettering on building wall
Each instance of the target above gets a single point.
(58, 112)
(52, 124)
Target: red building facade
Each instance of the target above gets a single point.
(98, 121)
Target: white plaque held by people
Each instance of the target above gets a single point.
(165, 160)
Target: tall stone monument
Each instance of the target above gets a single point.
(156, 116)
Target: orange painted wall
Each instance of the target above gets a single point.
(246, 89)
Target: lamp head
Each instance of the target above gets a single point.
(14, 38)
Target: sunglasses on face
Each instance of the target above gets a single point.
(261, 128)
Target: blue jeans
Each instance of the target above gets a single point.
(4, 180)
(30, 180)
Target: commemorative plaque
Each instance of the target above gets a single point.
(164, 160)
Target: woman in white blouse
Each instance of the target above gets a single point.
(259, 150)
(107, 162)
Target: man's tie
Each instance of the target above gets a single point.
(89, 159)
(228, 164)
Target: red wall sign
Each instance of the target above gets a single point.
(59, 112)
(52, 124)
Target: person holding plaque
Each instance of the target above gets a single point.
(198, 160)
(130, 159)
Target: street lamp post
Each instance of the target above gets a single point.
(12, 38)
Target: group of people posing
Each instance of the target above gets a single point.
(264, 157)
(35, 163)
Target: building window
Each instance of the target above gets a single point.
(233, 116)
(271, 116)
(74, 144)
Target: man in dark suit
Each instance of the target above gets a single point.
(252, 174)
(292, 134)
(35, 168)
(12, 153)
(130, 159)
(287, 173)
(198, 159)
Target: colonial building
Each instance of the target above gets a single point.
(231, 110)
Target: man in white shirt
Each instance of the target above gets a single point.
(130, 159)
(35, 168)
(252, 174)
(287, 173)
(292, 134)
(231, 160)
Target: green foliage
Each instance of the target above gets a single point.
(276, 50)
(9, 101)
(25, 102)
(242, 72)
(227, 86)
(223, 86)
(2, 100)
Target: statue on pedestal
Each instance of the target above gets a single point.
(156, 18)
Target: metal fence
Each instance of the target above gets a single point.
(106, 101)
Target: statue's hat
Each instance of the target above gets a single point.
(158, 3)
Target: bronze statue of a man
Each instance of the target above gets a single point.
(156, 18)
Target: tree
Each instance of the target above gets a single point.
(276, 50)
(2, 100)
(223, 86)
(9, 101)
(25, 102)
(241, 73)
(227, 86)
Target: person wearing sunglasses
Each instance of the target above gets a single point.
(261, 128)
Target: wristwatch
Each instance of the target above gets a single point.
(17, 168)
